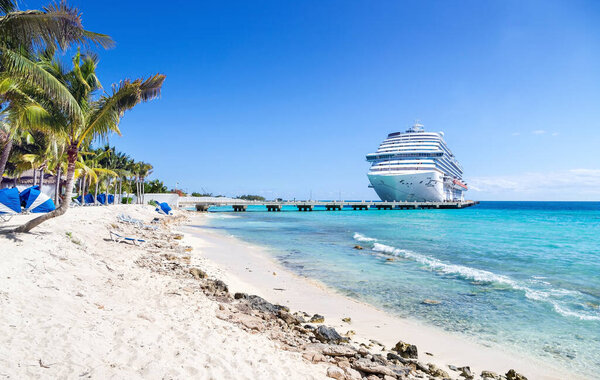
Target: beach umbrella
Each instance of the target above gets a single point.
(111, 199)
(9, 201)
(101, 199)
(33, 200)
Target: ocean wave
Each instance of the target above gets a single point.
(549, 295)
(363, 238)
(437, 265)
(221, 215)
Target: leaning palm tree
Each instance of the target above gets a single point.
(97, 118)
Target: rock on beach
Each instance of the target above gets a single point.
(406, 350)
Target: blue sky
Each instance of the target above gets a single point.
(282, 98)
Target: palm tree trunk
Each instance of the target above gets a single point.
(34, 176)
(5, 153)
(41, 180)
(96, 193)
(106, 193)
(72, 157)
(57, 187)
(89, 184)
(115, 190)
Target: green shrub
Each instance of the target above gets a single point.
(127, 200)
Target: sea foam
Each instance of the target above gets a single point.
(363, 238)
(551, 296)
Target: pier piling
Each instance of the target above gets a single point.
(327, 205)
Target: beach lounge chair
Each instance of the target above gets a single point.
(119, 238)
(135, 222)
(128, 219)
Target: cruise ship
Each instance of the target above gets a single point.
(416, 166)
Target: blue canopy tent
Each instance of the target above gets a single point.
(101, 199)
(111, 199)
(89, 199)
(33, 200)
(10, 203)
(163, 207)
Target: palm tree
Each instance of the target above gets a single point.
(25, 33)
(143, 170)
(91, 119)
(22, 113)
(56, 164)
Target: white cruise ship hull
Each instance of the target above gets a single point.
(417, 185)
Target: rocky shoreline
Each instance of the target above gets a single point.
(299, 332)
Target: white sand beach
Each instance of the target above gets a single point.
(77, 305)
(81, 307)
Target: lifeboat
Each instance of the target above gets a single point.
(458, 183)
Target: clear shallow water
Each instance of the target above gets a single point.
(520, 274)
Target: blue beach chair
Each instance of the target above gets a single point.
(119, 238)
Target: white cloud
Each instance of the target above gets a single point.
(574, 184)
(516, 134)
(554, 133)
(538, 132)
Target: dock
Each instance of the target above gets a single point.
(310, 205)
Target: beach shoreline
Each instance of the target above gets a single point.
(257, 272)
(188, 303)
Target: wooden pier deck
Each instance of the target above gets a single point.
(274, 206)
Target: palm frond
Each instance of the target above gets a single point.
(58, 25)
(7, 6)
(107, 112)
(28, 70)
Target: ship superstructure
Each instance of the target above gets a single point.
(416, 166)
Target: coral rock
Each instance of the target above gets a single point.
(197, 273)
(406, 350)
(328, 335)
(335, 373)
(513, 375)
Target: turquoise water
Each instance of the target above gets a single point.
(520, 274)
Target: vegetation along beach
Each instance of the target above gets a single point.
(299, 190)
